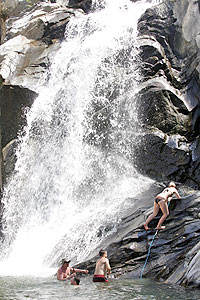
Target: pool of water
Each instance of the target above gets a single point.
(28, 287)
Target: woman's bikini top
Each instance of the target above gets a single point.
(163, 195)
(167, 190)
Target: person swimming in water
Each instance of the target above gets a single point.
(75, 281)
(161, 202)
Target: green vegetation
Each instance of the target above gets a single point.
(29, 3)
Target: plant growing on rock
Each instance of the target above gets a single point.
(29, 3)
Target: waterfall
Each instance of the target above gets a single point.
(74, 176)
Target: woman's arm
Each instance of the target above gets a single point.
(177, 194)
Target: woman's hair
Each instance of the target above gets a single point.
(172, 184)
(102, 252)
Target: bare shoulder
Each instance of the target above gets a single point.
(104, 259)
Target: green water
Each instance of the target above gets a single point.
(21, 288)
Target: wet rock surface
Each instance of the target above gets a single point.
(174, 254)
(14, 101)
(169, 97)
(85, 5)
(9, 159)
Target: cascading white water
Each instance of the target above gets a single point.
(73, 173)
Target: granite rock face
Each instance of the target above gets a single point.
(169, 98)
(31, 40)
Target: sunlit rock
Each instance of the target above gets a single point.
(24, 61)
(15, 7)
(45, 21)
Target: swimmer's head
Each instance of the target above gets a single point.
(75, 281)
(172, 184)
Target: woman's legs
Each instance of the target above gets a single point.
(164, 208)
(152, 216)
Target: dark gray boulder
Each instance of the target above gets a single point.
(162, 156)
(14, 102)
(85, 5)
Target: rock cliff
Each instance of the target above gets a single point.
(169, 98)
(174, 254)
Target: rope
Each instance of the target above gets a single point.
(148, 253)
(149, 250)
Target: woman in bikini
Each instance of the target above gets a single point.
(161, 203)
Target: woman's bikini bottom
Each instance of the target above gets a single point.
(159, 199)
